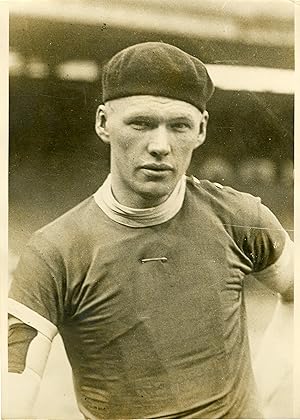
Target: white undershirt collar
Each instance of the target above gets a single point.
(138, 218)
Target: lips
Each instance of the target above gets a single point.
(157, 167)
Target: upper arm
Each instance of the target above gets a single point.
(271, 252)
(28, 347)
(36, 294)
(263, 241)
(28, 350)
(35, 307)
(279, 276)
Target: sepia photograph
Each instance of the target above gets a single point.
(150, 210)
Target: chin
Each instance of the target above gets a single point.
(156, 193)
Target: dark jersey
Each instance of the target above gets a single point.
(153, 319)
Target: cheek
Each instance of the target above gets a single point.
(119, 143)
(186, 145)
(184, 151)
(126, 149)
(124, 139)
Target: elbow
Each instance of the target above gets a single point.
(287, 297)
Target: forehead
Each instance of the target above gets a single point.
(152, 105)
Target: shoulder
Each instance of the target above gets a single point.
(224, 200)
(67, 232)
(73, 216)
(72, 222)
(242, 215)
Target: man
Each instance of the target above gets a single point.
(144, 280)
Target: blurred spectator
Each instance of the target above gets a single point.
(287, 173)
(217, 169)
(258, 170)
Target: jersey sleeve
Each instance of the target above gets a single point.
(264, 239)
(253, 227)
(265, 249)
(269, 248)
(36, 295)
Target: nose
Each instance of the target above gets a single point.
(159, 142)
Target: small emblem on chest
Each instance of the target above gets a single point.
(160, 259)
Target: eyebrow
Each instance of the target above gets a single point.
(188, 118)
(152, 115)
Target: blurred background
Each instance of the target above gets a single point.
(57, 51)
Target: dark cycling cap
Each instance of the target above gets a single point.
(158, 69)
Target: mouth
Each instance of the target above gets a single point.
(157, 167)
(156, 171)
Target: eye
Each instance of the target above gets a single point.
(140, 124)
(181, 126)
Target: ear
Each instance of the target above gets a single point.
(202, 129)
(100, 126)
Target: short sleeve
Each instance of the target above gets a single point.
(267, 250)
(37, 288)
(264, 239)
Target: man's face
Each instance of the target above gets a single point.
(152, 139)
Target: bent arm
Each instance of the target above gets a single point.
(36, 303)
(273, 363)
(28, 351)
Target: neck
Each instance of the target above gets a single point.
(141, 202)
(138, 200)
(140, 216)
